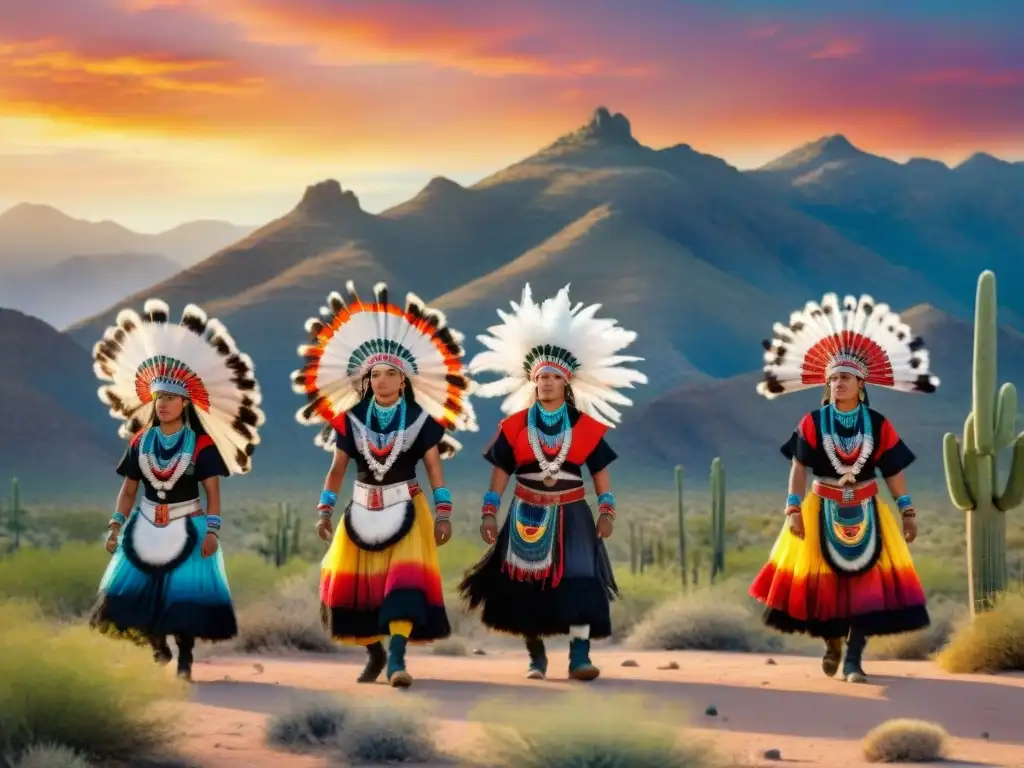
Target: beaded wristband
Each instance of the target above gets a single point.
(904, 502)
(116, 519)
(606, 510)
(909, 512)
(328, 498)
(795, 510)
(792, 501)
(213, 521)
(326, 513)
(492, 499)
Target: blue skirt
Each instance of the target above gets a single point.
(541, 583)
(186, 595)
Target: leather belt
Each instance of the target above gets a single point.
(162, 514)
(848, 495)
(549, 498)
(377, 497)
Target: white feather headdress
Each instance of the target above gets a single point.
(350, 338)
(197, 358)
(569, 339)
(860, 337)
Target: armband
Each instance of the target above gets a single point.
(442, 503)
(492, 500)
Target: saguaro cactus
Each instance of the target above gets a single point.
(283, 539)
(971, 468)
(717, 518)
(682, 524)
(15, 519)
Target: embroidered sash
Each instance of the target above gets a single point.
(535, 542)
(850, 539)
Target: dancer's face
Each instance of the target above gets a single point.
(845, 387)
(386, 383)
(169, 408)
(550, 388)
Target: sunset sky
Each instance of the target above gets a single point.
(152, 112)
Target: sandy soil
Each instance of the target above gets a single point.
(782, 703)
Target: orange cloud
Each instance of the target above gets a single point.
(387, 34)
(838, 48)
(44, 60)
(971, 77)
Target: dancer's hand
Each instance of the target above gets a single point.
(796, 524)
(210, 544)
(112, 539)
(909, 529)
(324, 529)
(489, 529)
(605, 526)
(442, 531)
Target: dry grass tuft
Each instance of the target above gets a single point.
(50, 756)
(309, 724)
(712, 619)
(993, 642)
(74, 687)
(586, 729)
(450, 646)
(906, 741)
(286, 620)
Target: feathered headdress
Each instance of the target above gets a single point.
(349, 339)
(860, 337)
(144, 356)
(557, 336)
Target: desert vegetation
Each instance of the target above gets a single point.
(906, 741)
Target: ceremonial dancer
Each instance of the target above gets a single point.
(384, 384)
(841, 568)
(548, 571)
(189, 403)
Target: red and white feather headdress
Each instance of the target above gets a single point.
(859, 337)
(350, 338)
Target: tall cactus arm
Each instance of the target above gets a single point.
(1013, 494)
(1006, 416)
(983, 380)
(955, 482)
(970, 444)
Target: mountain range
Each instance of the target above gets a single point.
(62, 269)
(696, 256)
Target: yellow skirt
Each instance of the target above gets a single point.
(802, 592)
(362, 592)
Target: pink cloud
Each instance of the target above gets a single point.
(838, 48)
(971, 77)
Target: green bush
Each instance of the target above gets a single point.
(74, 687)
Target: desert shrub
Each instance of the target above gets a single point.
(311, 723)
(584, 730)
(288, 619)
(713, 619)
(388, 732)
(906, 741)
(450, 646)
(992, 642)
(924, 643)
(360, 731)
(50, 756)
(72, 686)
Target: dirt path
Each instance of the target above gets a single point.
(786, 705)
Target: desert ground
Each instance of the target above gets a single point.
(763, 702)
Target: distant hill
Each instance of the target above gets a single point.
(729, 419)
(948, 223)
(34, 237)
(55, 434)
(697, 257)
(82, 285)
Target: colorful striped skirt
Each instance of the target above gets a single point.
(381, 567)
(158, 582)
(852, 569)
